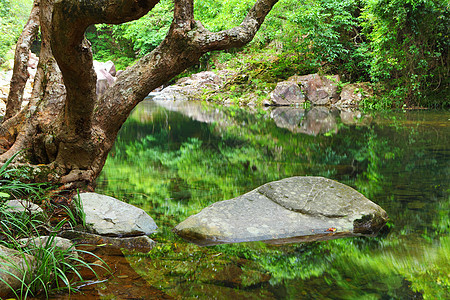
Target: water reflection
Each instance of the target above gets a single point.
(175, 160)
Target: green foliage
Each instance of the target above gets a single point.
(76, 214)
(401, 45)
(318, 35)
(409, 48)
(11, 185)
(107, 45)
(13, 16)
(46, 267)
(173, 166)
(126, 42)
(221, 15)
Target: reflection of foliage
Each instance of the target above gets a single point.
(173, 167)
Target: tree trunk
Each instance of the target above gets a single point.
(66, 132)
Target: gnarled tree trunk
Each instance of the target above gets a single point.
(65, 131)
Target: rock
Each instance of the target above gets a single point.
(195, 111)
(13, 264)
(352, 94)
(137, 243)
(5, 79)
(23, 205)
(296, 209)
(287, 93)
(43, 241)
(319, 90)
(106, 73)
(191, 88)
(109, 216)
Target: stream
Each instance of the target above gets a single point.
(174, 158)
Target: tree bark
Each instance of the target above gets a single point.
(67, 128)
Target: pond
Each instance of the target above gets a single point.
(174, 158)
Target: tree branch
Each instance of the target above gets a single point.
(237, 36)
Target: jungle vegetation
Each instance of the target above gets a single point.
(402, 47)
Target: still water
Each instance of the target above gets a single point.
(175, 158)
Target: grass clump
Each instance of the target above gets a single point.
(42, 264)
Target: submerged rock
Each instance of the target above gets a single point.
(140, 243)
(296, 209)
(109, 216)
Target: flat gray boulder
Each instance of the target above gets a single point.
(111, 217)
(295, 209)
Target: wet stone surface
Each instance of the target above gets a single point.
(296, 209)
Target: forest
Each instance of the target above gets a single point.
(173, 159)
(401, 47)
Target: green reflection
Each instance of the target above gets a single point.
(173, 166)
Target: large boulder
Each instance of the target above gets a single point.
(111, 217)
(13, 265)
(296, 209)
(287, 93)
(352, 94)
(319, 90)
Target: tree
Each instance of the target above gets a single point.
(66, 131)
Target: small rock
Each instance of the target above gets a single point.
(109, 216)
(13, 264)
(43, 241)
(287, 93)
(138, 243)
(191, 88)
(23, 206)
(106, 73)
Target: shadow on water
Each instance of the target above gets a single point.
(175, 158)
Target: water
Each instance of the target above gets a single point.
(175, 158)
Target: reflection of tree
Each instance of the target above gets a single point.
(173, 167)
